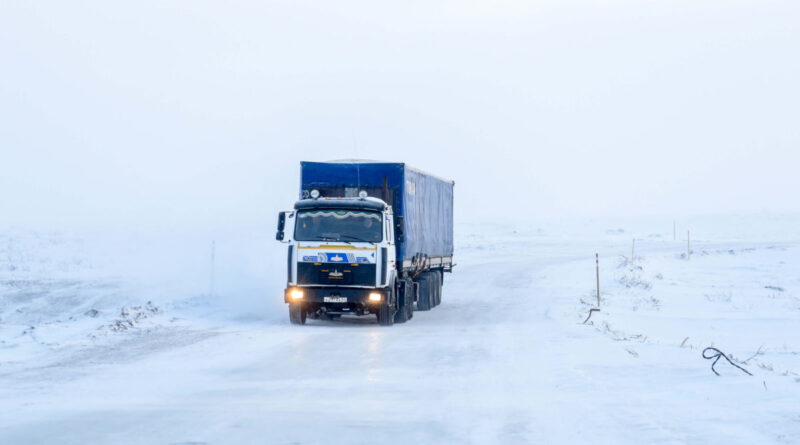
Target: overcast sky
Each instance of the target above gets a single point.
(193, 112)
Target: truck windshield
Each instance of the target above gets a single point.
(338, 225)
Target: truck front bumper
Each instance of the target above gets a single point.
(323, 295)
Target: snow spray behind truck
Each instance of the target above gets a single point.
(365, 238)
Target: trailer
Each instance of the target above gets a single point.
(367, 237)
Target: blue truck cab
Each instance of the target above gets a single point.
(364, 238)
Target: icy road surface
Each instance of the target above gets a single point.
(504, 359)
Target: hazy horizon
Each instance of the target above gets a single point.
(198, 114)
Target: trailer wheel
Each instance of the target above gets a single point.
(437, 288)
(424, 301)
(385, 315)
(297, 313)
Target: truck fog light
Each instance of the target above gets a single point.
(374, 296)
(296, 294)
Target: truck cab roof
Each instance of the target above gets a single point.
(368, 203)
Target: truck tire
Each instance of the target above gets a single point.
(297, 313)
(385, 315)
(402, 314)
(405, 303)
(437, 286)
(424, 299)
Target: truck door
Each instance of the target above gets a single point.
(285, 234)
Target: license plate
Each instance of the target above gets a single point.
(334, 299)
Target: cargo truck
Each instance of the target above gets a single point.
(366, 237)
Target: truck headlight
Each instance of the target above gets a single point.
(296, 294)
(374, 296)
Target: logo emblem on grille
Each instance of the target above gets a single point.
(335, 274)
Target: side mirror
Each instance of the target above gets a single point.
(281, 225)
(398, 229)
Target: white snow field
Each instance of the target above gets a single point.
(118, 339)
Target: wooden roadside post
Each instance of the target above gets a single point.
(597, 272)
(633, 249)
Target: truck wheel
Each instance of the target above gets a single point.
(385, 315)
(297, 313)
(401, 316)
(437, 288)
(425, 287)
(405, 310)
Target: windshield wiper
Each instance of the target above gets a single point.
(334, 238)
(355, 238)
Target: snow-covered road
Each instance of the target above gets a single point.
(504, 359)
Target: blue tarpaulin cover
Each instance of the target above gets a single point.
(424, 201)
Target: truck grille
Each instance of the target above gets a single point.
(336, 274)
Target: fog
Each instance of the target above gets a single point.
(147, 146)
(196, 114)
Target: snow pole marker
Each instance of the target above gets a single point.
(688, 246)
(597, 271)
(633, 249)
